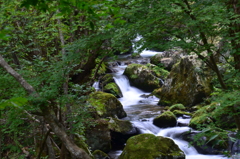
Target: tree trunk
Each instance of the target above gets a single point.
(49, 118)
(60, 132)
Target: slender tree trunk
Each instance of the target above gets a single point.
(49, 118)
(51, 153)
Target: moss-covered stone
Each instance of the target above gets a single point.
(177, 107)
(108, 85)
(113, 89)
(158, 71)
(166, 119)
(167, 59)
(106, 105)
(108, 78)
(148, 146)
(121, 126)
(141, 77)
(98, 154)
(156, 92)
(98, 137)
(181, 113)
(187, 84)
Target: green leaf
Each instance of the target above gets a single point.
(212, 138)
(13, 102)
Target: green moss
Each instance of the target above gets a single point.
(158, 71)
(148, 146)
(157, 92)
(177, 107)
(141, 77)
(107, 105)
(80, 143)
(166, 119)
(180, 113)
(108, 78)
(113, 89)
(98, 154)
(121, 126)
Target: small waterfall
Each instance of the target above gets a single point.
(132, 95)
(123, 83)
(96, 85)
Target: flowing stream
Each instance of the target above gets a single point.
(141, 112)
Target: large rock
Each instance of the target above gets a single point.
(158, 71)
(108, 85)
(98, 137)
(166, 119)
(186, 84)
(141, 77)
(107, 105)
(121, 131)
(166, 59)
(148, 146)
(177, 107)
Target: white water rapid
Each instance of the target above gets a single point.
(141, 112)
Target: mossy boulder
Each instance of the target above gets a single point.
(107, 105)
(149, 146)
(98, 137)
(121, 126)
(167, 59)
(166, 119)
(121, 131)
(179, 113)
(98, 154)
(158, 71)
(108, 85)
(141, 77)
(108, 78)
(187, 83)
(113, 89)
(177, 107)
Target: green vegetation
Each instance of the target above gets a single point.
(51, 51)
(149, 146)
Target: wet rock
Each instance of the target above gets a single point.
(98, 137)
(107, 105)
(166, 119)
(148, 146)
(158, 72)
(179, 113)
(186, 84)
(177, 107)
(234, 146)
(121, 131)
(121, 126)
(98, 154)
(141, 77)
(167, 59)
(108, 85)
